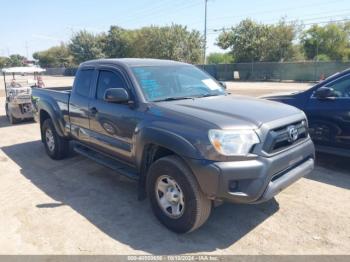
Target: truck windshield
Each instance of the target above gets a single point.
(161, 83)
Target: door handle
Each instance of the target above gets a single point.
(93, 111)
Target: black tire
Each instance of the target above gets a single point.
(10, 117)
(12, 120)
(197, 206)
(61, 145)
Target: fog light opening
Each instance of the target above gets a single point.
(233, 185)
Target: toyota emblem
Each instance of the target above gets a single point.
(293, 133)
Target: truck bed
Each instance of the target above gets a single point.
(60, 88)
(58, 96)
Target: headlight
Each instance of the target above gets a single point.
(233, 142)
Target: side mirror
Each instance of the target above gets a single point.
(324, 93)
(223, 84)
(116, 95)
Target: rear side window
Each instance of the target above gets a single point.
(106, 80)
(83, 81)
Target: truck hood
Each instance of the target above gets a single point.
(230, 112)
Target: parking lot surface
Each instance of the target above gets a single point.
(76, 206)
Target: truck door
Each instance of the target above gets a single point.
(329, 119)
(79, 104)
(112, 124)
(343, 138)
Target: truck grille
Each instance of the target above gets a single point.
(285, 136)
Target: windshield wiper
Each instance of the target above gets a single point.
(173, 98)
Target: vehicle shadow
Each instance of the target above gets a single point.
(331, 169)
(110, 203)
(4, 122)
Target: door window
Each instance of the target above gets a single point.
(83, 81)
(341, 87)
(106, 80)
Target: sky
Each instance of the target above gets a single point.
(34, 25)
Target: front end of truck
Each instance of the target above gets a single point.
(281, 153)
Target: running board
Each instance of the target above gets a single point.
(106, 161)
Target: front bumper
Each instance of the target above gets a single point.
(21, 111)
(257, 180)
(288, 178)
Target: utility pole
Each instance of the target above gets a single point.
(205, 32)
(27, 50)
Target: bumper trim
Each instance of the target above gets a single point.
(287, 179)
(254, 180)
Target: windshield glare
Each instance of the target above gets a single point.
(164, 82)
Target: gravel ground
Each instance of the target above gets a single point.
(76, 206)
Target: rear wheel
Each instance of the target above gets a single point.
(56, 146)
(175, 196)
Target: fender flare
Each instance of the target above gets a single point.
(166, 139)
(55, 114)
(163, 138)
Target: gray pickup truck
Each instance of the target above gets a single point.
(174, 129)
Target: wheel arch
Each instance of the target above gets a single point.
(152, 143)
(165, 140)
(47, 112)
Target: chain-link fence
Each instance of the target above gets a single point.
(61, 71)
(257, 71)
(275, 71)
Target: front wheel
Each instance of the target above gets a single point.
(10, 117)
(56, 146)
(175, 196)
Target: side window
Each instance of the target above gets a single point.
(83, 81)
(341, 87)
(106, 80)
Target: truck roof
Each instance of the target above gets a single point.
(131, 62)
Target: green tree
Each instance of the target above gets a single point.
(298, 53)
(87, 46)
(173, 42)
(16, 60)
(331, 40)
(246, 41)
(150, 42)
(220, 58)
(57, 56)
(3, 61)
(251, 41)
(323, 58)
(119, 43)
(279, 45)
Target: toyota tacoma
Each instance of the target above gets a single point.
(175, 129)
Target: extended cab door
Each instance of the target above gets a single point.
(79, 104)
(112, 124)
(329, 118)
